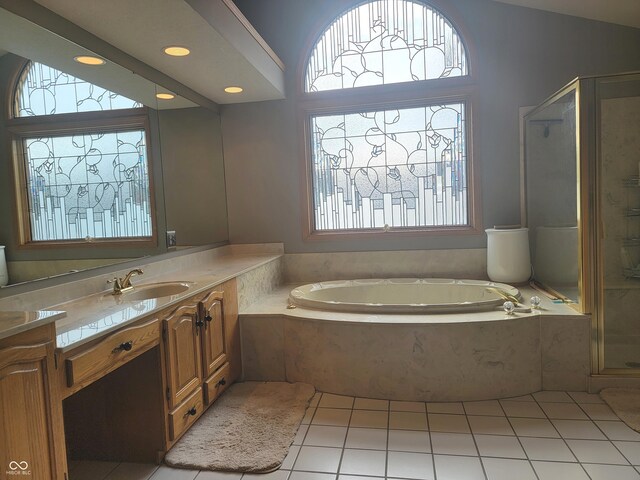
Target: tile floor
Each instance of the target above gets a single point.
(544, 436)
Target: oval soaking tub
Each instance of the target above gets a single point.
(403, 295)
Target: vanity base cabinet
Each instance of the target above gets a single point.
(31, 429)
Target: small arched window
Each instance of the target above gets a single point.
(386, 93)
(81, 158)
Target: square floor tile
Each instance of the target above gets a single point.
(325, 436)
(277, 475)
(302, 431)
(308, 415)
(578, 429)
(289, 460)
(331, 416)
(142, 471)
(458, 468)
(91, 469)
(409, 441)
(559, 471)
(369, 418)
(618, 431)
(522, 409)
(611, 472)
(407, 421)
(448, 407)
(363, 462)
(443, 422)
(315, 400)
(499, 446)
(318, 459)
(631, 450)
(533, 427)
(311, 476)
(407, 406)
(507, 469)
(410, 465)
(371, 404)
(550, 396)
(563, 411)
(453, 444)
(598, 411)
(490, 425)
(551, 449)
(357, 477)
(166, 473)
(521, 398)
(584, 397)
(330, 400)
(367, 438)
(486, 407)
(596, 451)
(217, 476)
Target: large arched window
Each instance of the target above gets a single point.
(387, 98)
(81, 161)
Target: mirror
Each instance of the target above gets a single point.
(184, 149)
(551, 160)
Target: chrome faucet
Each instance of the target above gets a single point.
(121, 285)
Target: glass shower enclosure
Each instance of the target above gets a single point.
(582, 197)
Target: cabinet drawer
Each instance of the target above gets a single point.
(216, 384)
(186, 414)
(112, 352)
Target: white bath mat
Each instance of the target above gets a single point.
(625, 403)
(248, 429)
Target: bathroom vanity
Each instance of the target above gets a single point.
(108, 378)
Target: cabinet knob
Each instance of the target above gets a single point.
(124, 347)
(221, 382)
(199, 323)
(191, 412)
(208, 318)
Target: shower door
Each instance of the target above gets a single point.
(618, 239)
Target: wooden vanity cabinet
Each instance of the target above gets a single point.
(31, 429)
(182, 330)
(202, 354)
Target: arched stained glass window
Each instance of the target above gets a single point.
(392, 159)
(43, 90)
(83, 179)
(384, 42)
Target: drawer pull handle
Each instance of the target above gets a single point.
(124, 347)
(221, 382)
(192, 411)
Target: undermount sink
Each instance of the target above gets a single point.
(152, 290)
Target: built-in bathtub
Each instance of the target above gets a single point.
(403, 295)
(476, 353)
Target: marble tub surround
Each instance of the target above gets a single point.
(12, 323)
(439, 357)
(259, 281)
(318, 267)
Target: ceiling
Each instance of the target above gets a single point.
(226, 50)
(622, 12)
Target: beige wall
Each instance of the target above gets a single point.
(193, 170)
(521, 57)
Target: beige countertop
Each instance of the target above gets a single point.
(100, 313)
(12, 323)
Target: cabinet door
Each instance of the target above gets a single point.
(28, 430)
(184, 364)
(213, 341)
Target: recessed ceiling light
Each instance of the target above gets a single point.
(89, 60)
(233, 89)
(165, 96)
(176, 51)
